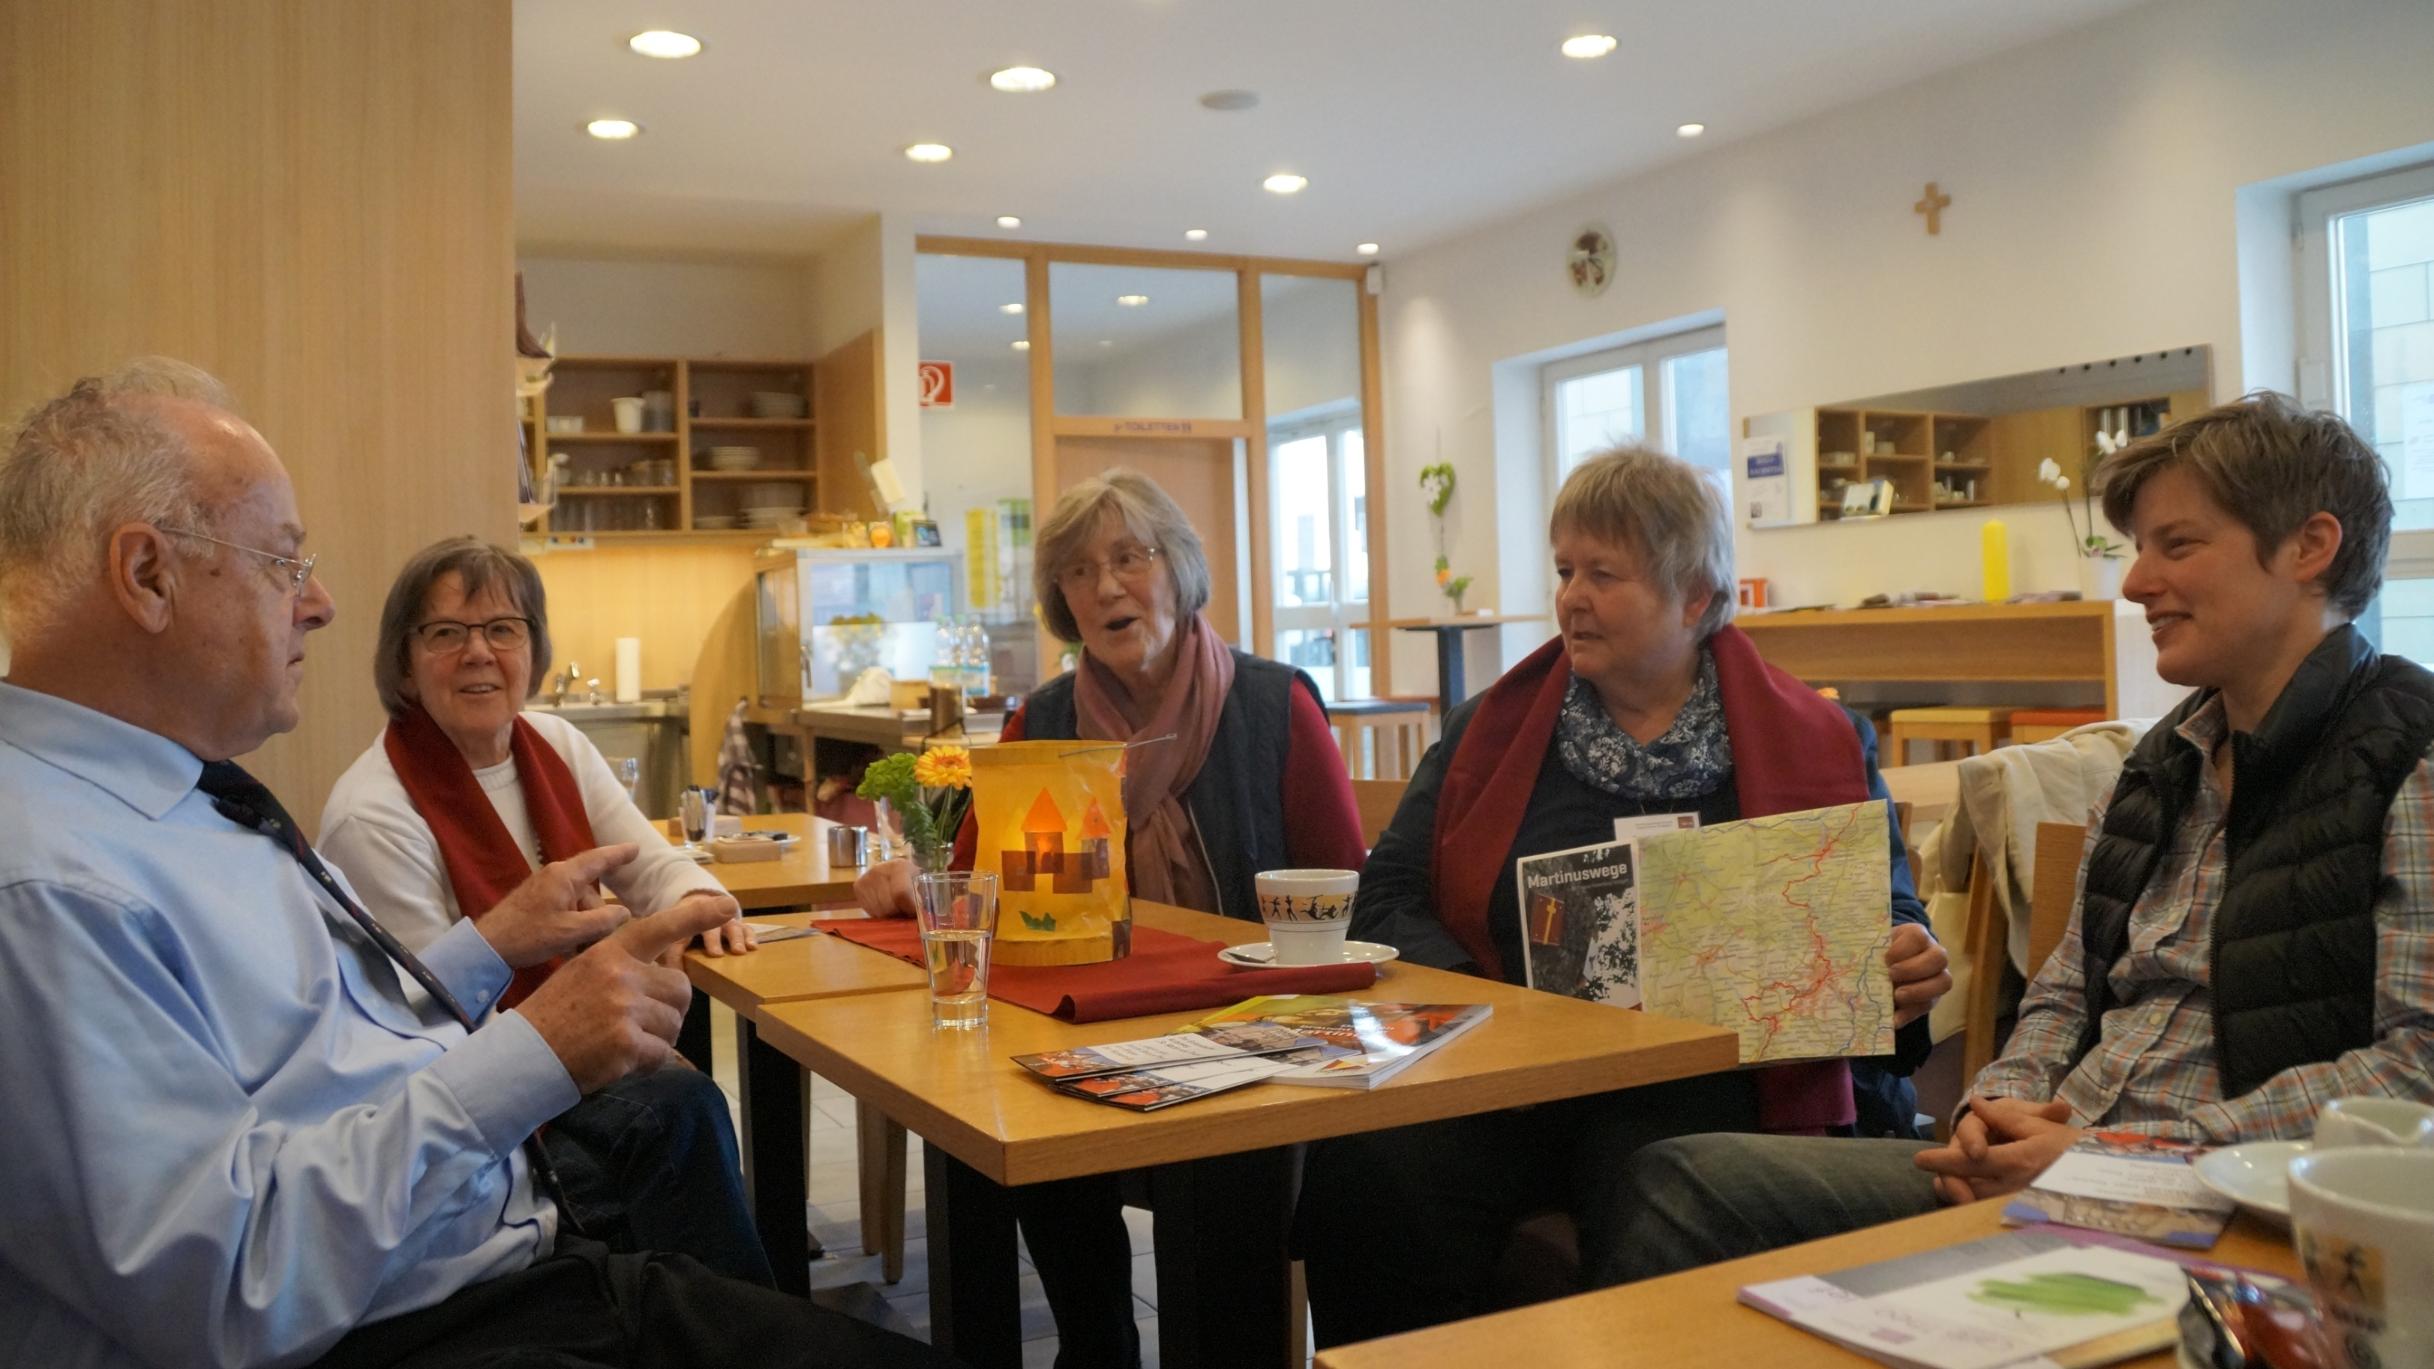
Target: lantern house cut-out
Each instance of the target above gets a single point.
(1050, 818)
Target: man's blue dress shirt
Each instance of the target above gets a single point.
(236, 1131)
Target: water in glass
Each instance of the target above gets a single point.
(958, 920)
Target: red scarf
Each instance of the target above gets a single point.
(1793, 749)
(1161, 848)
(483, 862)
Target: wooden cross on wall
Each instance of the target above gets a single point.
(1933, 207)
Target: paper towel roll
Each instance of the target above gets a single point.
(629, 670)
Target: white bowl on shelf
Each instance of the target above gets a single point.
(714, 522)
(734, 458)
(777, 404)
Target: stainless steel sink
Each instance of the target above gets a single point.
(578, 712)
(653, 731)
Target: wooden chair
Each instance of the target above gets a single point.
(2045, 724)
(1981, 728)
(2055, 879)
(882, 1149)
(1382, 739)
(1377, 800)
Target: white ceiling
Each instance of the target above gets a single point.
(1414, 119)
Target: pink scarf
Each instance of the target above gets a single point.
(1161, 846)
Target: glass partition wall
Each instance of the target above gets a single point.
(1246, 387)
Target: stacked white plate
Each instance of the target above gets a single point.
(714, 522)
(772, 505)
(734, 458)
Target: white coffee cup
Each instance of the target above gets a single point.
(2364, 1218)
(2374, 1122)
(628, 413)
(1307, 912)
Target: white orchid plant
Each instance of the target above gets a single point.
(2049, 472)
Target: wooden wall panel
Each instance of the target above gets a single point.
(851, 405)
(312, 200)
(670, 594)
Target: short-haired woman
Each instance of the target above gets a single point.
(1648, 702)
(1252, 781)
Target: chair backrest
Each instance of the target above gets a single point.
(1376, 801)
(2056, 877)
(1987, 934)
(1381, 739)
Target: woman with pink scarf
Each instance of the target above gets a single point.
(1252, 781)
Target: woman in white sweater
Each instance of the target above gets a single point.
(463, 795)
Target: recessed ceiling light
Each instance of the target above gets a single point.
(1015, 308)
(1008, 221)
(1285, 183)
(1132, 301)
(1021, 344)
(612, 130)
(664, 43)
(1367, 249)
(1022, 80)
(1195, 235)
(1107, 342)
(1689, 130)
(929, 152)
(1587, 45)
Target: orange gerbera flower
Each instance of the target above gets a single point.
(944, 767)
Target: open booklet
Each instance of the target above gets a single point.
(2047, 1296)
(1775, 927)
(1326, 1041)
(2140, 1186)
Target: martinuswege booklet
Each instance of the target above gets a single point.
(2140, 1186)
(1118, 1057)
(1150, 1090)
(1580, 922)
(1339, 1042)
(2044, 1295)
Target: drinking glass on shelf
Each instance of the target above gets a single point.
(958, 923)
(697, 810)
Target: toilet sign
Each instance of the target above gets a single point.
(938, 385)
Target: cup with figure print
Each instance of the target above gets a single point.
(1307, 913)
(2364, 1219)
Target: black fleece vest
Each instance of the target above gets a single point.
(1234, 801)
(2293, 953)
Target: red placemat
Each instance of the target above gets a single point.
(1166, 972)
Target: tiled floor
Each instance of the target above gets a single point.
(848, 1280)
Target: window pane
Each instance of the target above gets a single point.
(1304, 524)
(2383, 262)
(1356, 517)
(1356, 665)
(1594, 412)
(1312, 650)
(2407, 607)
(1142, 342)
(1698, 420)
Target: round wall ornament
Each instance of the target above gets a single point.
(1590, 260)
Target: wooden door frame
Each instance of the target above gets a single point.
(1251, 428)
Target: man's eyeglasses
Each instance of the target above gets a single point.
(446, 636)
(299, 572)
(1131, 566)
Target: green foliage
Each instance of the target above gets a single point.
(891, 778)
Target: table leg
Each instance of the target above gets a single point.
(1225, 1286)
(1450, 689)
(693, 1038)
(973, 1296)
(775, 1111)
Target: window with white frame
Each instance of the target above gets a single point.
(2366, 317)
(1669, 392)
(1319, 544)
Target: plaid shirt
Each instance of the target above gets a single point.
(2153, 1069)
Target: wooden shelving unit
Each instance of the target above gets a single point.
(710, 405)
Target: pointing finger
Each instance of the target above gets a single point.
(645, 938)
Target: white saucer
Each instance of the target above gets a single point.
(1260, 955)
(2256, 1175)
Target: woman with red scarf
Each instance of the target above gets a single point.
(1251, 780)
(456, 803)
(1648, 702)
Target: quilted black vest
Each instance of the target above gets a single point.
(1234, 799)
(2293, 955)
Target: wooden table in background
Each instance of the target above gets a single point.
(1222, 1168)
(2102, 643)
(800, 878)
(1694, 1317)
(1449, 633)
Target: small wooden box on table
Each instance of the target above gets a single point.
(1222, 1169)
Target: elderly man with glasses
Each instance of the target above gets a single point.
(256, 1128)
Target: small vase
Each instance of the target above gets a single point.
(2100, 577)
(935, 860)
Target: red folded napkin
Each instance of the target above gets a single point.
(1166, 972)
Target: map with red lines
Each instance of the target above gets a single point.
(1775, 927)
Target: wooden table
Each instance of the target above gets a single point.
(2103, 642)
(803, 968)
(1693, 1318)
(1932, 790)
(1221, 1169)
(1449, 633)
(797, 879)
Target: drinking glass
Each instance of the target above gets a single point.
(697, 809)
(958, 923)
(628, 770)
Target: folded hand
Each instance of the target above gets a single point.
(1998, 1147)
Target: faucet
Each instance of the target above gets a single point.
(563, 681)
